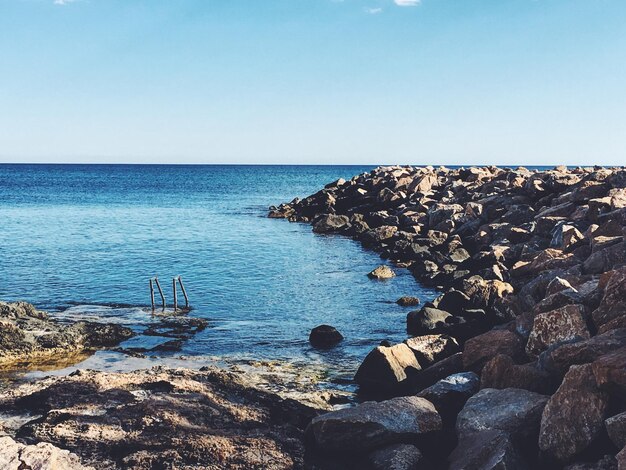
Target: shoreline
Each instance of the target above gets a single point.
(521, 355)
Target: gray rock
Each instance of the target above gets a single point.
(511, 410)
(395, 457)
(331, 223)
(432, 348)
(386, 368)
(450, 394)
(374, 424)
(616, 428)
(487, 450)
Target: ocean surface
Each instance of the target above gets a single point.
(82, 241)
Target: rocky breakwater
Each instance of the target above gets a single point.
(29, 336)
(521, 361)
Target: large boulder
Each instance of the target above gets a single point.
(385, 368)
(502, 372)
(374, 424)
(331, 223)
(613, 303)
(616, 429)
(42, 456)
(450, 394)
(432, 348)
(558, 325)
(512, 410)
(482, 348)
(426, 320)
(487, 450)
(574, 416)
(560, 357)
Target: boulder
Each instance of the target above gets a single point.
(324, 336)
(385, 368)
(395, 457)
(574, 416)
(419, 380)
(407, 301)
(502, 372)
(512, 410)
(487, 450)
(560, 357)
(482, 348)
(606, 259)
(607, 462)
(454, 301)
(373, 424)
(432, 348)
(382, 272)
(616, 429)
(426, 320)
(379, 234)
(558, 325)
(610, 372)
(450, 394)
(613, 303)
(331, 223)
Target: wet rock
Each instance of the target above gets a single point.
(324, 336)
(407, 301)
(432, 348)
(558, 325)
(487, 450)
(574, 416)
(386, 368)
(382, 272)
(373, 424)
(331, 223)
(481, 349)
(514, 411)
(396, 457)
(502, 372)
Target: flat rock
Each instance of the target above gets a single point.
(374, 424)
(432, 348)
(512, 410)
(574, 416)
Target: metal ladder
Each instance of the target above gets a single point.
(155, 280)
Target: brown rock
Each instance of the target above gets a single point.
(574, 416)
(408, 301)
(558, 325)
(432, 348)
(502, 372)
(395, 457)
(613, 303)
(382, 272)
(616, 429)
(482, 348)
(610, 371)
(385, 368)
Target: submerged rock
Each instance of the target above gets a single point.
(408, 301)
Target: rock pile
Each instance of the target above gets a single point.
(532, 271)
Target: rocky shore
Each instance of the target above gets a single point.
(520, 363)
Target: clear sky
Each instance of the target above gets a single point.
(313, 81)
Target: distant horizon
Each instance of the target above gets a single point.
(313, 81)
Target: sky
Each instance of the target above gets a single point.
(508, 82)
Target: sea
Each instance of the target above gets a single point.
(83, 241)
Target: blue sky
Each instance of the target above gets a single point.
(313, 81)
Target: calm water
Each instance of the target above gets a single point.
(88, 238)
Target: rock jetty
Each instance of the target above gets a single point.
(520, 362)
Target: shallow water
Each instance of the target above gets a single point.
(88, 237)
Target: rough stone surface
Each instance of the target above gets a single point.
(395, 457)
(514, 411)
(373, 424)
(480, 349)
(574, 416)
(501, 372)
(616, 428)
(382, 272)
(432, 348)
(386, 368)
(487, 450)
(610, 372)
(42, 456)
(558, 325)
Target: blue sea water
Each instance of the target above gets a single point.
(83, 240)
